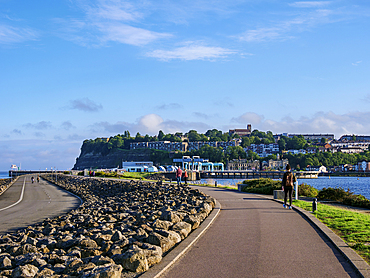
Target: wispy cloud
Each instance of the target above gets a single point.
(43, 125)
(67, 125)
(356, 63)
(286, 29)
(201, 115)
(170, 106)
(113, 10)
(366, 98)
(85, 104)
(192, 51)
(108, 21)
(123, 33)
(10, 34)
(17, 131)
(310, 4)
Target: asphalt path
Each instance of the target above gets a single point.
(26, 203)
(256, 237)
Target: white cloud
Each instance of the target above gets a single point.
(108, 21)
(122, 33)
(191, 51)
(148, 124)
(10, 34)
(113, 10)
(310, 4)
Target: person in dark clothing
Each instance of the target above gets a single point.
(288, 185)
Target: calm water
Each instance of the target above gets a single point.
(4, 174)
(360, 185)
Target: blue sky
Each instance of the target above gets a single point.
(75, 70)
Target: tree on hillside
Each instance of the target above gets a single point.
(194, 136)
(160, 135)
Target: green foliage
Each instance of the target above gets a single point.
(307, 190)
(343, 196)
(295, 143)
(262, 186)
(194, 136)
(326, 158)
(356, 201)
(333, 194)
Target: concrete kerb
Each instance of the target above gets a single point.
(357, 262)
(179, 250)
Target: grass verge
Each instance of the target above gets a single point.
(353, 227)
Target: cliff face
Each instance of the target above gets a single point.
(112, 160)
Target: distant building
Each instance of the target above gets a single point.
(302, 151)
(182, 146)
(363, 166)
(339, 145)
(313, 137)
(263, 150)
(359, 138)
(241, 132)
(277, 164)
(138, 166)
(243, 165)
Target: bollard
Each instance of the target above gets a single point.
(314, 204)
(215, 183)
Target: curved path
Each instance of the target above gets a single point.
(26, 203)
(256, 237)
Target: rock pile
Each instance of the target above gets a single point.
(4, 184)
(120, 230)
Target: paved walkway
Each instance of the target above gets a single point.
(256, 237)
(26, 203)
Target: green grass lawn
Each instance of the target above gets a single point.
(353, 227)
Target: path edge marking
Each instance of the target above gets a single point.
(158, 269)
(20, 198)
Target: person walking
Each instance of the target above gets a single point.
(185, 174)
(287, 186)
(178, 175)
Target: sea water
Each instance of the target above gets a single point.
(4, 175)
(357, 185)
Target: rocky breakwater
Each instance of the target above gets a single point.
(120, 230)
(4, 184)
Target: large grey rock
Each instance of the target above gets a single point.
(164, 242)
(133, 260)
(5, 262)
(25, 271)
(162, 224)
(105, 271)
(182, 228)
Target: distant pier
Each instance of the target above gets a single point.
(16, 173)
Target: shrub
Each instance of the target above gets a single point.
(261, 186)
(356, 201)
(307, 190)
(333, 194)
